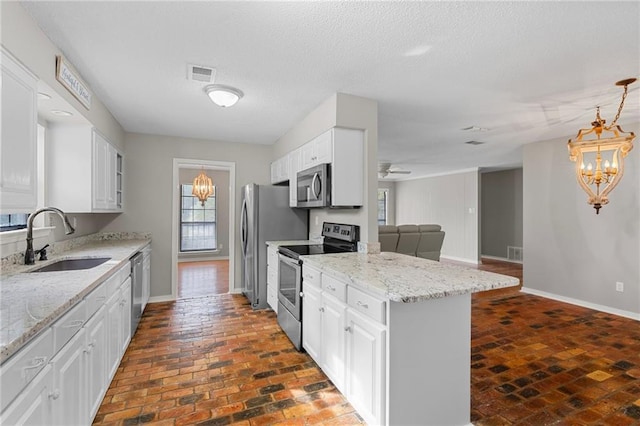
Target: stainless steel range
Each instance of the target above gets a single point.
(338, 238)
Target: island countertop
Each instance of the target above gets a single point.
(407, 279)
(32, 301)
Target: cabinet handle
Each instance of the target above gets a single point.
(330, 287)
(74, 324)
(101, 298)
(90, 347)
(55, 394)
(362, 305)
(347, 329)
(37, 362)
(321, 309)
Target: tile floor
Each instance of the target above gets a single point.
(214, 361)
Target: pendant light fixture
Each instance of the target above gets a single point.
(224, 96)
(202, 187)
(598, 182)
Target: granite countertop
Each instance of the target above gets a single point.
(32, 301)
(407, 279)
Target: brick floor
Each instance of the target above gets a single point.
(215, 361)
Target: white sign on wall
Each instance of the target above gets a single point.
(68, 78)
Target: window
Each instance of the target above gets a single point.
(197, 222)
(11, 222)
(382, 206)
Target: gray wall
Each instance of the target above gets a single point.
(347, 111)
(391, 200)
(148, 190)
(571, 251)
(450, 201)
(500, 211)
(220, 180)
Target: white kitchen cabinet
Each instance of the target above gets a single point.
(96, 362)
(118, 326)
(295, 165)
(146, 276)
(33, 407)
(312, 321)
(344, 150)
(69, 405)
(125, 309)
(84, 170)
(334, 322)
(272, 277)
(18, 169)
(280, 170)
(366, 367)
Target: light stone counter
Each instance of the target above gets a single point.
(32, 301)
(402, 278)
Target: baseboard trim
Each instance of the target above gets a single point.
(502, 259)
(584, 304)
(187, 259)
(161, 299)
(460, 259)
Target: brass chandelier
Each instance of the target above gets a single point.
(598, 182)
(202, 187)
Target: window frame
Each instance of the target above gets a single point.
(385, 191)
(186, 193)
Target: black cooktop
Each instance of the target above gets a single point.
(296, 251)
(338, 238)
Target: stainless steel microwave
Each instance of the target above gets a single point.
(314, 187)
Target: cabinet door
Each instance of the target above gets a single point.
(69, 375)
(100, 166)
(110, 177)
(312, 322)
(294, 168)
(334, 323)
(365, 367)
(33, 406)
(114, 333)
(146, 279)
(324, 147)
(18, 181)
(125, 305)
(308, 155)
(96, 355)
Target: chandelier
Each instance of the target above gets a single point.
(600, 180)
(202, 187)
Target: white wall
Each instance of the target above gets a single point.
(148, 190)
(220, 180)
(390, 186)
(500, 211)
(346, 111)
(569, 250)
(450, 201)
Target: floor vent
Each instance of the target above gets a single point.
(514, 253)
(200, 73)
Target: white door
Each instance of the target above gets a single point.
(96, 354)
(100, 164)
(126, 315)
(33, 405)
(334, 323)
(69, 383)
(312, 321)
(114, 333)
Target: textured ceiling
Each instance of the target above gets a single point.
(527, 71)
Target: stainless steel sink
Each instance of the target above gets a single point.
(73, 264)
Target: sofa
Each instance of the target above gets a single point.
(414, 240)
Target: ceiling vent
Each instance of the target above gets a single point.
(474, 143)
(200, 73)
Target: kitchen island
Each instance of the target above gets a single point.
(393, 332)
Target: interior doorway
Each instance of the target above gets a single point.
(203, 232)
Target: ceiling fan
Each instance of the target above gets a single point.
(385, 169)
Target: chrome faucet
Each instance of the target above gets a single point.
(29, 255)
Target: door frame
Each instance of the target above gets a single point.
(185, 163)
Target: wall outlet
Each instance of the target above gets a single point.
(619, 286)
(220, 246)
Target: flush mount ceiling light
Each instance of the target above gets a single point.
(224, 96)
(600, 182)
(202, 187)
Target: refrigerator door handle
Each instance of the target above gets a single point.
(243, 227)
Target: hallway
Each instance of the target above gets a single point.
(206, 278)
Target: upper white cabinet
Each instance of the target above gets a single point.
(280, 170)
(295, 163)
(319, 150)
(18, 181)
(84, 169)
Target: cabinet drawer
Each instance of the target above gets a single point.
(368, 305)
(20, 369)
(336, 288)
(65, 328)
(272, 275)
(311, 276)
(95, 300)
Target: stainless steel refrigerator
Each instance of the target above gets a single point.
(265, 216)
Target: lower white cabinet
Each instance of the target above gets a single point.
(33, 406)
(349, 346)
(366, 367)
(146, 276)
(61, 376)
(69, 374)
(272, 277)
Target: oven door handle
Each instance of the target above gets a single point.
(286, 259)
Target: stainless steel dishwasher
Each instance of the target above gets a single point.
(136, 290)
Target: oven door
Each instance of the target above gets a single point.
(290, 285)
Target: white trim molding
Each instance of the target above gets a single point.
(460, 259)
(584, 304)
